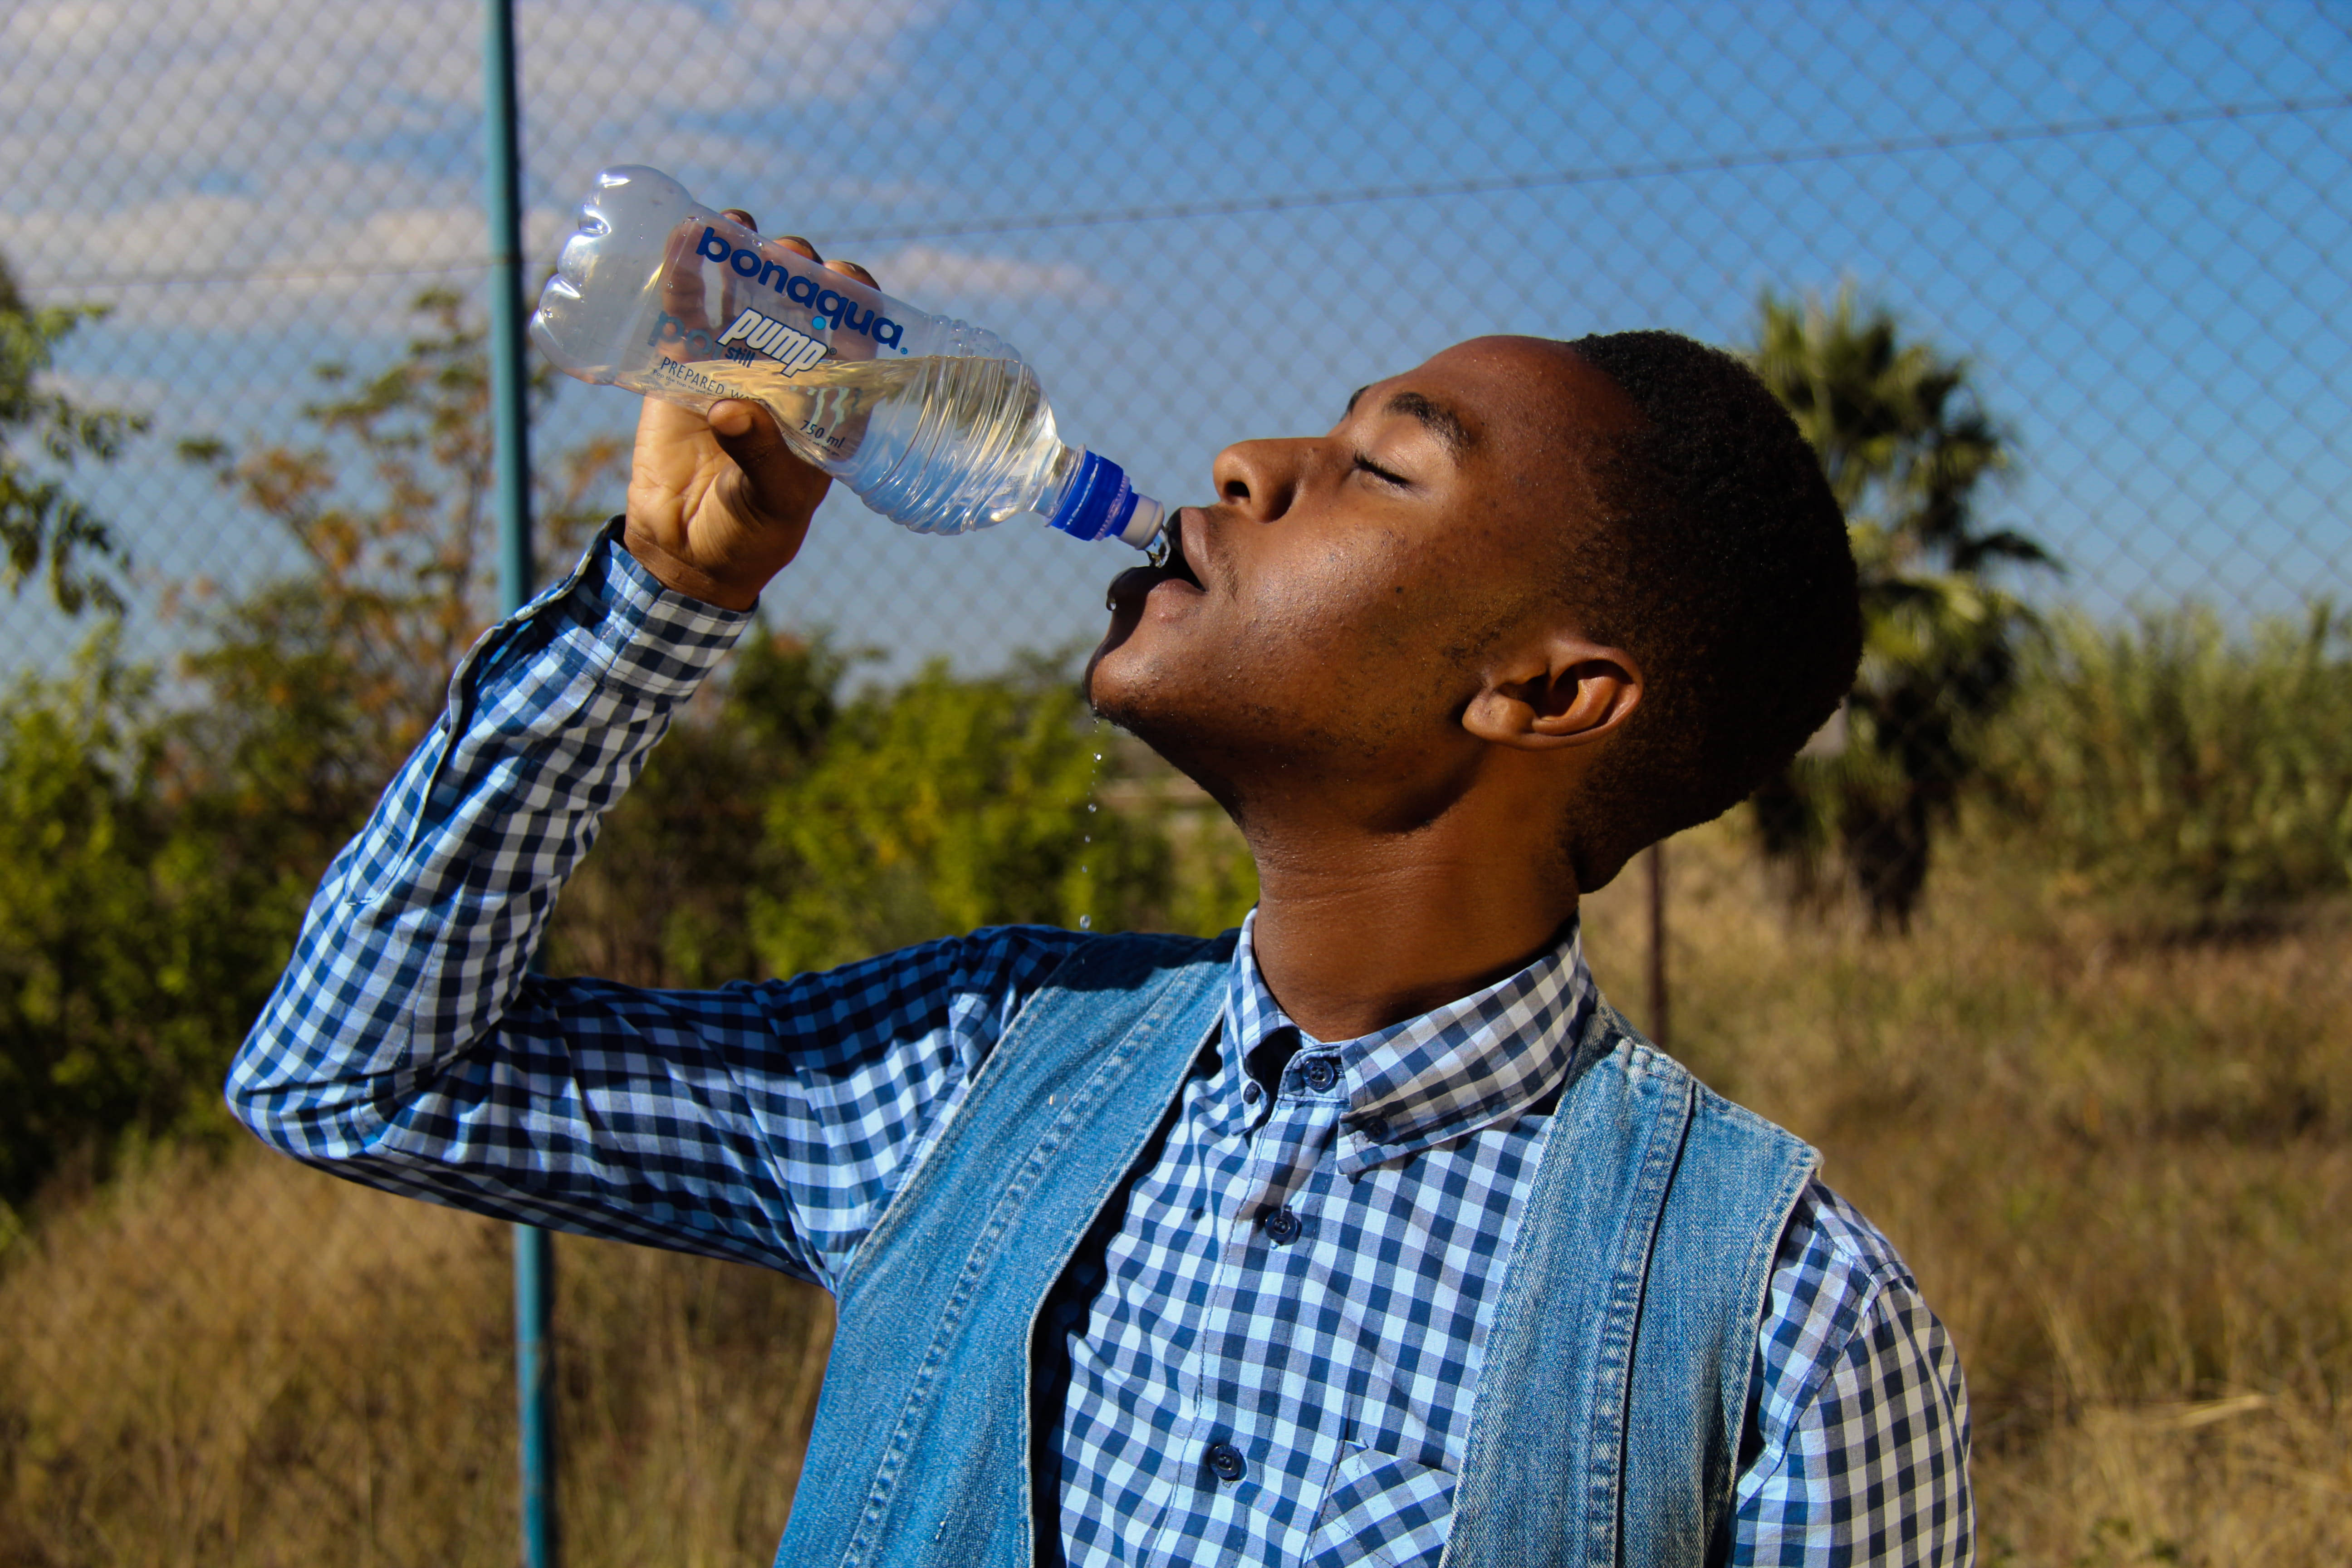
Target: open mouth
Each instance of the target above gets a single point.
(1174, 563)
(1170, 566)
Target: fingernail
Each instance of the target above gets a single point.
(796, 240)
(739, 215)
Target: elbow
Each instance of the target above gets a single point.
(259, 1099)
(302, 1092)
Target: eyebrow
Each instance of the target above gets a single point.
(1436, 417)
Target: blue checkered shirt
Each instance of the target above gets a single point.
(1270, 1357)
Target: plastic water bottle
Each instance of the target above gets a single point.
(936, 424)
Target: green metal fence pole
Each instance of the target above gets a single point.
(504, 194)
(534, 1249)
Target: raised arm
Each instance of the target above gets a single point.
(407, 1045)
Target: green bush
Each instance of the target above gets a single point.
(132, 949)
(2166, 757)
(950, 803)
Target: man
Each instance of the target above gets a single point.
(1367, 1234)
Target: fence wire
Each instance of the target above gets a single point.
(2125, 224)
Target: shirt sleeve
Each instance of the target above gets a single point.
(1861, 1410)
(408, 1047)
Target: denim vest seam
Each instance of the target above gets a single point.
(986, 1246)
(893, 1217)
(985, 1250)
(1668, 1134)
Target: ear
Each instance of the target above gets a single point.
(1560, 692)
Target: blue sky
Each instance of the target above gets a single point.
(2159, 314)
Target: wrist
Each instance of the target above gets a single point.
(725, 591)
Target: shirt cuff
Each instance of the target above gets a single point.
(640, 635)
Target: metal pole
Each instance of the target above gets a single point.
(534, 1370)
(509, 417)
(1657, 864)
(503, 157)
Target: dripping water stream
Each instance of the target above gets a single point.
(1087, 841)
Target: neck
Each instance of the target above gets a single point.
(1360, 928)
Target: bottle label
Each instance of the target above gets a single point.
(1098, 504)
(758, 334)
(829, 309)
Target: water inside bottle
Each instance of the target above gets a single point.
(957, 442)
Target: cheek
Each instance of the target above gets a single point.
(1336, 598)
(1390, 623)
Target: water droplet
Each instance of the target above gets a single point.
(1086, 923)
(1090, 806)
(1098, 757)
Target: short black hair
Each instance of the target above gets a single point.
(1721, 564)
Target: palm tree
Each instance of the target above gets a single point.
(1908, 448)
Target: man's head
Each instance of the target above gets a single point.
(1603, 585)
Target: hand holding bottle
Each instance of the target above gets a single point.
(719, 503)
(936, 424)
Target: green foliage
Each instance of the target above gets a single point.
(44, 530)
(2207, 776)
(666, 897)
(945, 805)
(782, 825)
(153, 863)
(132, 951)
(1908, 448)
(323, 681)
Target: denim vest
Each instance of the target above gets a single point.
(1618, 1364)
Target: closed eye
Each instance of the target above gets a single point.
(1368, 466)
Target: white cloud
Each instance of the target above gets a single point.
(102, 104)
(181, 137)
(921, 272)
(308, 259)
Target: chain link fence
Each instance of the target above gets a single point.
(2117, 232)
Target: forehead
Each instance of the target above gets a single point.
(1522, 409)
(1502, 381)
(1507, 394)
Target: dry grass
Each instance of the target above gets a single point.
(2121, 1169)
(241, 1361)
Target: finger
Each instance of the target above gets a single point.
(748, 433)
(739, 215)
(850, 269)
(793, 242)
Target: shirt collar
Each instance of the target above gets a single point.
(1473, 1062)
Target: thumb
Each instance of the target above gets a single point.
(776, 483)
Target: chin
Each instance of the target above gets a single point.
(1155, 713)
(1120, 694)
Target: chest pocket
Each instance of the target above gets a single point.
(1382, 1512)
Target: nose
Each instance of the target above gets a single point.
(1260, 478)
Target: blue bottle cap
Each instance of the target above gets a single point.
(1099, 503)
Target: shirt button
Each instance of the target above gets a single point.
(1282, 1227)
(1226, 1463)
(1375, 1128)
(1321, 1074)
(1249, 1094)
